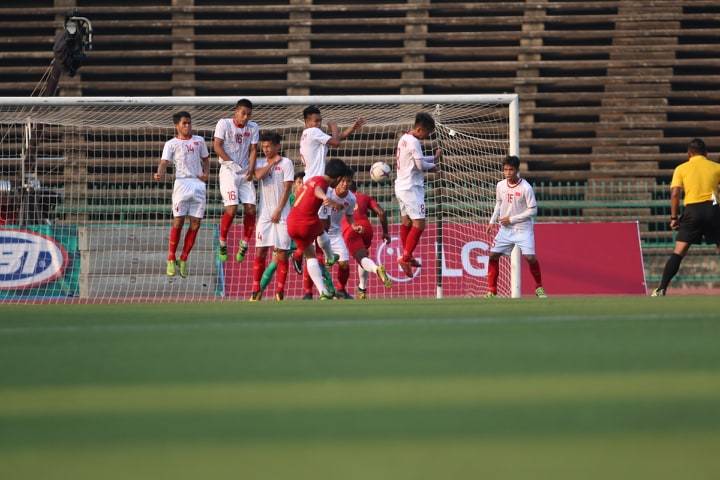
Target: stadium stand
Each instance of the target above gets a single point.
(610, 91)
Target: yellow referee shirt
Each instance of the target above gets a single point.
(698, 177)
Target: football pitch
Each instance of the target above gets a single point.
(569, 388)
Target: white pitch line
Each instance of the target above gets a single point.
(271, 324)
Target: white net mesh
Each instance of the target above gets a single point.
(81, 218)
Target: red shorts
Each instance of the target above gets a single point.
(367, 233)
(353, 240)
(304, 233)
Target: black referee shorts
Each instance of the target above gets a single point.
(700, 220)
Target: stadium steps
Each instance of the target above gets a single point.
(136, 267)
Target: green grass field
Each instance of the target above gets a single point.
(577, 388)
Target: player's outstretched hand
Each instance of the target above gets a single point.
(674, 224)
(438, 154)
(203, 177)
(490, 229)
(250, 176)
(157, 177)
(386, 238)
(358, 124)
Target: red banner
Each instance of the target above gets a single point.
(575, 259)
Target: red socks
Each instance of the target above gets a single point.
(248, 226)
(493, 271)
(411, 242)
(225, 223)
(535, 270)
(258, 269)
(342, 278)
(404, 230)
(281, 276)
(173, 243)
(190, 236)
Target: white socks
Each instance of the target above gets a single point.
(362, 277)
(368, 265)
(313, 267)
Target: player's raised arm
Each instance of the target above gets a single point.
(337, 136)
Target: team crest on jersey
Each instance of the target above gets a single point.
(517, 194)
(246, 134)
(28, 259)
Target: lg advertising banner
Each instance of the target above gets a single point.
(576, 259)
(39, 262)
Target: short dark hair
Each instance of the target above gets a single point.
(353, 186)
(300, 174)
(311, 110)
(350, 172)
(697, 146)
(270, 136)
(513, 161)
(177, 116)
(425, 120)
(244, 102)
(336, 168)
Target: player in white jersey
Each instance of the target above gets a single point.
(189, 155)
(314, 142)
(235, 144)
(333, 220)
(515, 207)
(275, 174)
(410, 186)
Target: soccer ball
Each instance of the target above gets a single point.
(380, 172)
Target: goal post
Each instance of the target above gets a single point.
(81, 218)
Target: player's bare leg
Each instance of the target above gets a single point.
(249, 214)
(174, 240)
(225, 223)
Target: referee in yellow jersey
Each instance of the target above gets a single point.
(699, 179)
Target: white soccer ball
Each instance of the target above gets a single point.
(380, 172)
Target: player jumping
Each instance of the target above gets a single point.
(235, 144)
(410, 187)
(189, 154)
(515, 208)
(275, 174)
(304, 225)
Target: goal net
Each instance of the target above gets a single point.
(82, 219)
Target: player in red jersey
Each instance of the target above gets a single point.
(304, 225)
(364, 203)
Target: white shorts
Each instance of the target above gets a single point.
(508, 237)
(188, 197)
(268, 234)
(412, 202)
(338, 246)
(235, 189)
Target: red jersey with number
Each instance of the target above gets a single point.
(306, 206)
